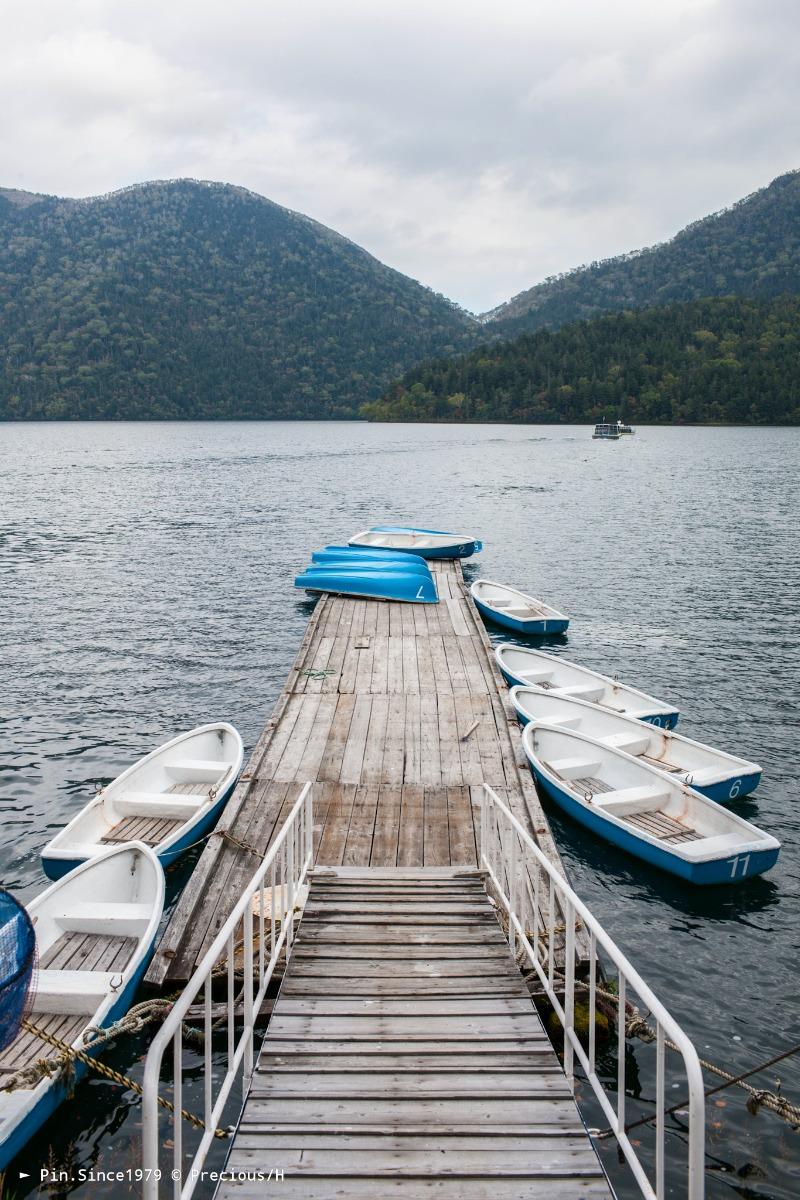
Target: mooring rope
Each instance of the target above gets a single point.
(637, 1026)
(29, 1076)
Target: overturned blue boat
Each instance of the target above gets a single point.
(428, 543)
(348, 556)
(393, 583)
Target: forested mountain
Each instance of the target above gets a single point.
(713, 360)
(188, 299)
(751, 249)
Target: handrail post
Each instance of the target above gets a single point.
(501, 867)
(247, 988)
(569, 992)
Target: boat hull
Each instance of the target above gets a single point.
(663, 720)
(408, 586)
(459, 547)
(715, 871)
(60, 1089)
(55, 867)
(531, 627)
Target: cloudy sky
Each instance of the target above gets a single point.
(478, 147)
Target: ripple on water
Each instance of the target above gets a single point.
(151, 573)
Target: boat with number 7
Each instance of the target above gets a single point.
(645, 812)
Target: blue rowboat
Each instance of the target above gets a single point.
(169, 800)
(428, 543)
(525, 667)
(414, 565)
(515, 610)
(408, 586)
(106, 911)
(644, 811)
(714, 773)
(357, 554)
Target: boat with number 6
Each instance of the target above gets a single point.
(714, 773)
(429, 543)
(525, 667)
(95, 934)
(515, 610)
(168, 800)
(644, 811)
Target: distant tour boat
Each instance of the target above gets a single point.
(526, 667)
(714, 773)
(607, 431)
(645, 812)
(515, 610)
(168, 800)
(95, 934)
(623, 428)
(429, 543)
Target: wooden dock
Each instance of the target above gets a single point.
(404, 1056)
(398, 714)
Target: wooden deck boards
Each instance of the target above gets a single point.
(396, 1074)
(397, 714)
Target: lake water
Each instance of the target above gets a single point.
(146, 574)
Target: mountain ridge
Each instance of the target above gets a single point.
(687, 266)
(188, 298)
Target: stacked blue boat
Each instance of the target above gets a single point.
(386, 562)
(377, 574)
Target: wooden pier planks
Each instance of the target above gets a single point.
(416, 1067)
(398, 715)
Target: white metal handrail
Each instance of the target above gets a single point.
(283, 871)
(518, 871)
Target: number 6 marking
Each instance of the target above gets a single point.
(734, 792)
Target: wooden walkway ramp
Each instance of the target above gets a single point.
(404, 1056)
(398, 715)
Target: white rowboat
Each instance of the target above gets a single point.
(95, 933)
(168, 800)
(718, 775)
(644, 811)
(515, 610)
(525, 667)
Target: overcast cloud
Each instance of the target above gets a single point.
(476, 147)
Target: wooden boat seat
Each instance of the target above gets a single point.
(89, 952)
(665, 828)
(197, 770)
(71, 992)
(539, 676)
(625, 801)
(150, 830)
(631, 743)
(581, 691)
(27, 1047)
(158, 804)
(573, 769)
(663, 766)
(127, 920)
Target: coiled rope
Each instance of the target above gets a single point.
(132, 1022)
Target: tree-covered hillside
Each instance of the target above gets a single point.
(751, 249)
(187, 299)
(715, 360)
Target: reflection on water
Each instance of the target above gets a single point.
(147, 586)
